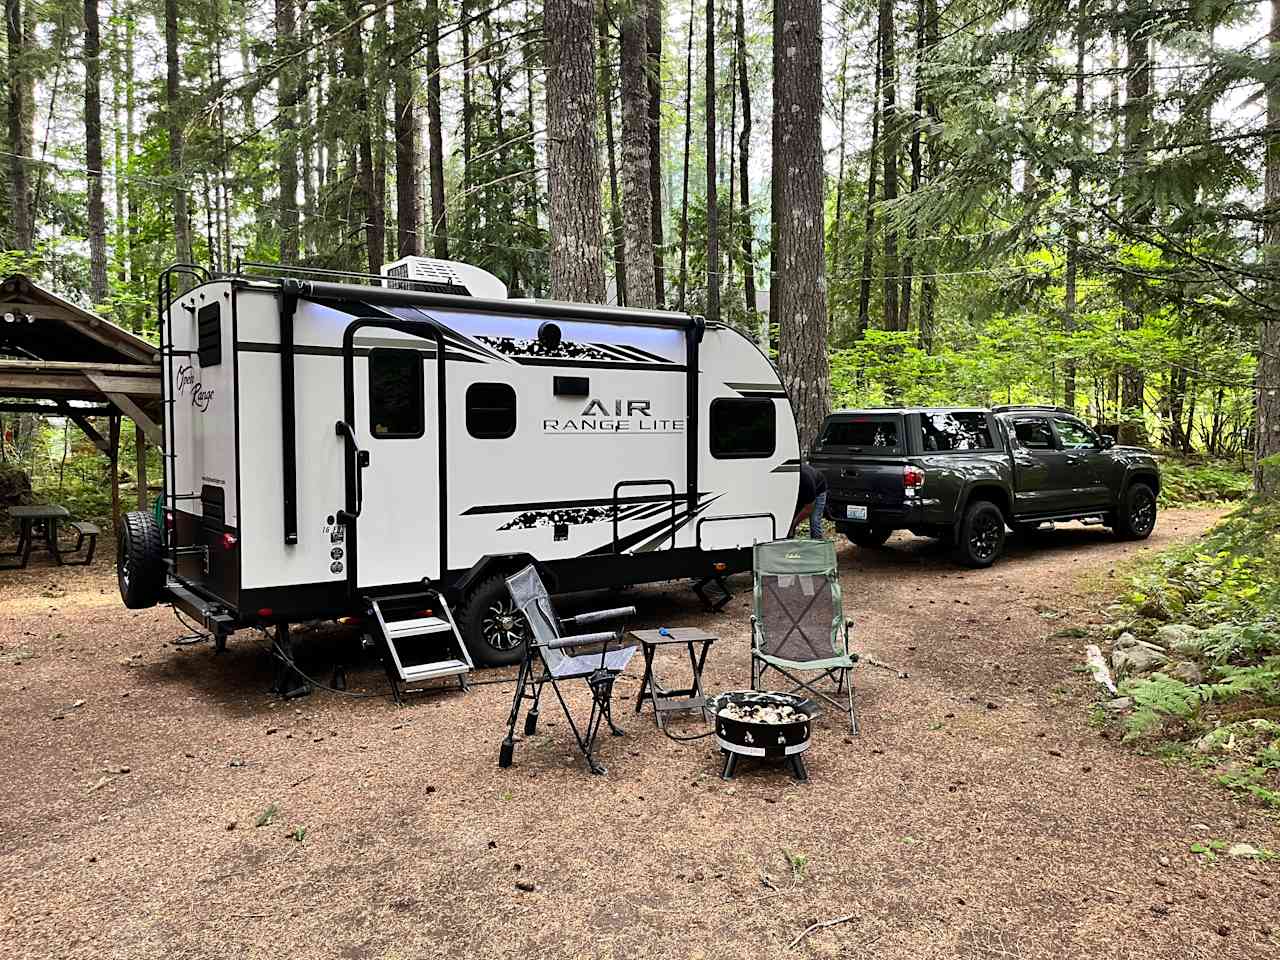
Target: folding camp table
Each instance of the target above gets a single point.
(44, 515)
(665, 701)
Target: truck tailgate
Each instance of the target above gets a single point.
(862, 456)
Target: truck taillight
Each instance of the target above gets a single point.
(912, 477)
(228, 541)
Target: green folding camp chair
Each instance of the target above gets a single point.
(798, 624)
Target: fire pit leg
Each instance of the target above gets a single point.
(730, 765)
(796, 762)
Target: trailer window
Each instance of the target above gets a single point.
(209, 335)
(955, 431)
(491, 411)
(742, 428)
(395, 394)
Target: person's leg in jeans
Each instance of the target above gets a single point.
(815, 519)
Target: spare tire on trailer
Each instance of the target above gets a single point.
(494, 630)
(139, 560)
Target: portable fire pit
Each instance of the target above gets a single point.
(755, 724)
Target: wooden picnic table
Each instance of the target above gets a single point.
(43, 518)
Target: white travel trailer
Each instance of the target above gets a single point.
(395, 450)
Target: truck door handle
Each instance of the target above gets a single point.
(1075, 459)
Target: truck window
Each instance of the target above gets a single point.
(396, 408)
(741, 428)
(1074, 434)
(1034, 433)
(861, 433)
(955, 431)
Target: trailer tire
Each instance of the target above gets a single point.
(491, 626)
(139, 560)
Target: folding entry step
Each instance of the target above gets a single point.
(420, 639)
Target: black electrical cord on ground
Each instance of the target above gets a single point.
(292, 665)
(195, 636)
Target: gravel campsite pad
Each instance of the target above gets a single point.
(157, 802)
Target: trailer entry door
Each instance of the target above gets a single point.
(397, 425)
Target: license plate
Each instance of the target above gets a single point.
(855, 512)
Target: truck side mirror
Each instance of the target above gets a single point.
(1106, 441)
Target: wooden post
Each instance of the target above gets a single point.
(140, 465)
(113, 442)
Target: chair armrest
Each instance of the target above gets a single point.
(583, 639)
(599, 616)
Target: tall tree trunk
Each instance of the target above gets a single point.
(1266, 477)
(93, 153)
(366, 178)
(1070, 305)
(653, 28)
(917, 111)
(890, 143)
(573, 154)
(842, 113)
(467, 111)
(287, 146)
(1137, 134)
(744, 167)
(616, 241)
(684, 191)
(19, 115)
(435, 135)
(174, 122)
(121, 23)
(636, 181)
(713, 212)
(379, 89)
(928, 283)
(306, 138)
(408, 212)
(869, 221)
(800, 283)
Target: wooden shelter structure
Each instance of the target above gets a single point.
(60, 360)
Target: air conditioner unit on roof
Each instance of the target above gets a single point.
(443, 276)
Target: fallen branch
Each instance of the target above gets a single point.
(818, 926)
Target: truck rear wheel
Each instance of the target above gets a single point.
(981, 538)
(492, 627)
(139, 560)
(1135, 517)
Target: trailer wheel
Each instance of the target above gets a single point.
(491, 625)
(139, 560)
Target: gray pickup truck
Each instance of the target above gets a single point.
(964, 474)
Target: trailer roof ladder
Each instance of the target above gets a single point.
(419, 639)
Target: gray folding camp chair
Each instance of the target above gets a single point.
(798, 623)
(550, 657)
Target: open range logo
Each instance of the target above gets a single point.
(189, 386)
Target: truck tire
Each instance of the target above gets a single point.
(981, 538)
(139, 560)
(494, 630)
(864, 535)
(1135, 517)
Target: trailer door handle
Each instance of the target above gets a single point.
(347, 432)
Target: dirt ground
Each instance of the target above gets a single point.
(978, 815)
